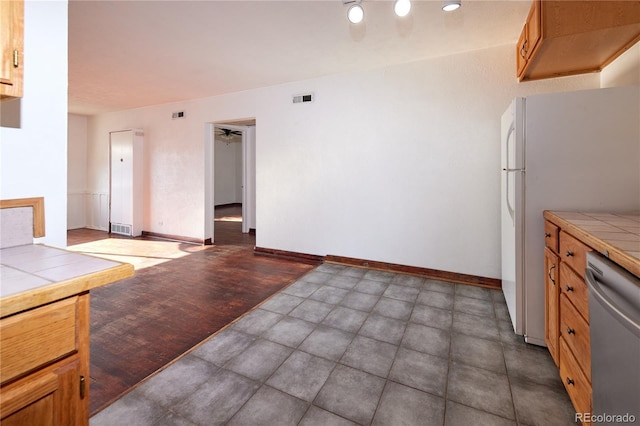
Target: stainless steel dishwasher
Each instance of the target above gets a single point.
(614, 320)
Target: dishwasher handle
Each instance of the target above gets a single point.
(596, 291)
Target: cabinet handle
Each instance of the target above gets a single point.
(83, 387)
(16, 58)
(523, 50)
(547, 235)
(570, 381)
(569, 253)
(568, 288)
(570, 330)
(549, 273)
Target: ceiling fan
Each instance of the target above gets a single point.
(227, 134)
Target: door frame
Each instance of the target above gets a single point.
(248, 203)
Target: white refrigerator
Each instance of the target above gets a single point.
(577, 151)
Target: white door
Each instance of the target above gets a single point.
(121, 210)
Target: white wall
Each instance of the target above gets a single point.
(85, 209)
(77, 153)
(399, 164)
(34, 156)
(76, 171)
(624, 71)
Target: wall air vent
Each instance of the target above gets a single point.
(179, 114)
(118, 228)
(307, 97)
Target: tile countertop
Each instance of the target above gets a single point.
(614, 235)
(32, 275)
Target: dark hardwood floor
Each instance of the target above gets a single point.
(180, 295)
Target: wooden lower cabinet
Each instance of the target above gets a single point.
(44, 356)
(49, 397)
(567, 313)
(551, 297)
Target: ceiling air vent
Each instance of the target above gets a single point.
(299, 99)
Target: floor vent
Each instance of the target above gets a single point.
(118, 228)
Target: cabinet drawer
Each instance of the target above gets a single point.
(575, 288)
(551, 232)
(576, 383)
(574, 253)
(37, 337)
(575, 331)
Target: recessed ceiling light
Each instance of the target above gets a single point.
(402, 7)
(355, 14)
(449, 5)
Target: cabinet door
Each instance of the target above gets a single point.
(48, 397)
(533, 28)
(521, 52)
(11, 46)
(529, 37)
(551, 305)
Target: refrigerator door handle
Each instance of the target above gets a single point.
(506, 148)
(512, 129)
(510, 208)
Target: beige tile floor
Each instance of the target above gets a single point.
(345, 346)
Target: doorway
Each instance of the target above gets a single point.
(228, 174)
(230, 186)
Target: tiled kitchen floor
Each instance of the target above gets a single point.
(346, 346)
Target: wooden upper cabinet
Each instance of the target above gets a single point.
(12, 41)
(575, 37)
(529, 37)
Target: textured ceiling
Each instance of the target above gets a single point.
(129, 54)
